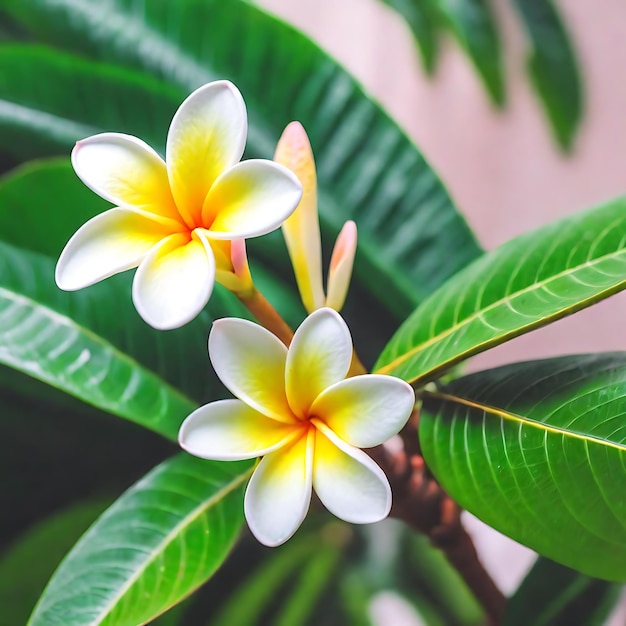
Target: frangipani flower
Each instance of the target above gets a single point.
(302, 231)
(296, 409)
(181, 222)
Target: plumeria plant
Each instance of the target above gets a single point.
(323, 407)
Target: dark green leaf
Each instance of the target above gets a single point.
(538, 451)
(26, 567)
(472, 23)
(422, 20)
(161, 540)
(526, 283)
(553, 68)
(368, 169)
(553, 595)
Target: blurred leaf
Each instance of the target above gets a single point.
(162, 539)
(368, 169)
(553, 595)
(538, 451)
(473, 25)
(526, 283)
(422, 20)
(28, 564)
(553, 68)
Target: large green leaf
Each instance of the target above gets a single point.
(473, 24)
(411, 238)
(42, 334)
(161, 540)
(538, 451)
(526, 283)
(553, 595)
(553, 68)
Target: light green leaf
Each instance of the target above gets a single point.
(473, 25)
(161, 540)
(368, 169)
(553, 68)
(553, 595)
(41, 334)
(538, 451)
(526, 283)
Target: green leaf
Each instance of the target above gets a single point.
(526, 283)
(162, 539)
(422, 20)
(553, 595)
(368, 169)
(41, 335)
(538, 451)
(28, 564)
(473, 25)
(553, 68)
(73, 98)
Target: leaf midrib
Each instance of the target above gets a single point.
(476, 315)
(63, 320)
(523, 420)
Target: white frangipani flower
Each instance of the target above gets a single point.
(298, 411)
(180, 221)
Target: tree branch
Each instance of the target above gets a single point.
(420, 501)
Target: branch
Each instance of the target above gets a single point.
(419, 500)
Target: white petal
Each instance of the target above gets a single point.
(207, 137)
(319, 356)
(250, 361)
(174, 281)
(279, 492)
(228, 430)
(126, 171)
(250, 199)
(347, 481)
(366, 410)
(111, 242)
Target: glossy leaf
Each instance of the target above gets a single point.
(41, 334)
(553, 595)
(162, 539)
(526, 283)
(368, 169)
(538, 451)
(422, 20)
(473, 24)
(553, 67)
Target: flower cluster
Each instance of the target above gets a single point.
(182, 222)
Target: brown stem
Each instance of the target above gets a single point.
(267, 315)
(419, 500)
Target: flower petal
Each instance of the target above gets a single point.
(341, 263)
(319, 356)
(279, 492)
(174, 281)
(126, 171)
(229, 430)
(111, 242)
(252, 198)
(366, 410)
(347, 481)
(250, 361)
(207, 137)
(302, 229)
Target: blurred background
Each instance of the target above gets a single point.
(502, 166)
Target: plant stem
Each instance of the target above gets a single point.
(267, 315)
(419, 501)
